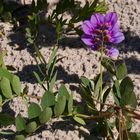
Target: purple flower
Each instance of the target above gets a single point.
(113, 53)
(101, 30)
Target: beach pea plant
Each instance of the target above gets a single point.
(10, 86)
(53, 104)
(110, 105)
(56, 18)
(101, 33)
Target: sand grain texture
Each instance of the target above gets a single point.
(78, 61)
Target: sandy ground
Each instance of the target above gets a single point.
(78, 61)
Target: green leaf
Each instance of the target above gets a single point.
(97, 85)
(108, 65)
(45, 115)
(70, 104)
(121, 71)
(51, 68)
(116, 92)
(105, 95)
(63, 92)
(5, 73)
(38, 78)
(6, 88)
(52, 56)
(117, 101)
(19, 137)
(16, 85)
(6, 119)
(94, 4)
(7, 132)
(52, 82)
(87, 95)
(102, 7)
(31, 127)
(20, 123)
(133, 136)
(60, 106)
(47, 100)
(79, 120)
(87, 83)
(1, 55)
(58, 29)
(126, 85)
(128, 97)
(34, 110)
(116, 89)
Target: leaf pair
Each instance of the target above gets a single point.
(9, 84)
(123, 88)
(22, 126)
(34, 112)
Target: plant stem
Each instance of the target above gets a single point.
(126, 131)
(95, 117)
(120, 126)
(39, 55)
(7, 100)
(101, 73)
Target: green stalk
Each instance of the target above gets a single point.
(101, 73)
(39, 55)
(96, 117)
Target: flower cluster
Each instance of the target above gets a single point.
(102, 31)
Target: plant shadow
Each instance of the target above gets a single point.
(131, 43)
(26, 74)
(48, 38)
(67, 125)
(6, 109)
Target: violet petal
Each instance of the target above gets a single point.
(87, 27)
(117, 37)
(87, 39)
(111, 17)
(115, 28)
(97, 19)
(113, 53)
